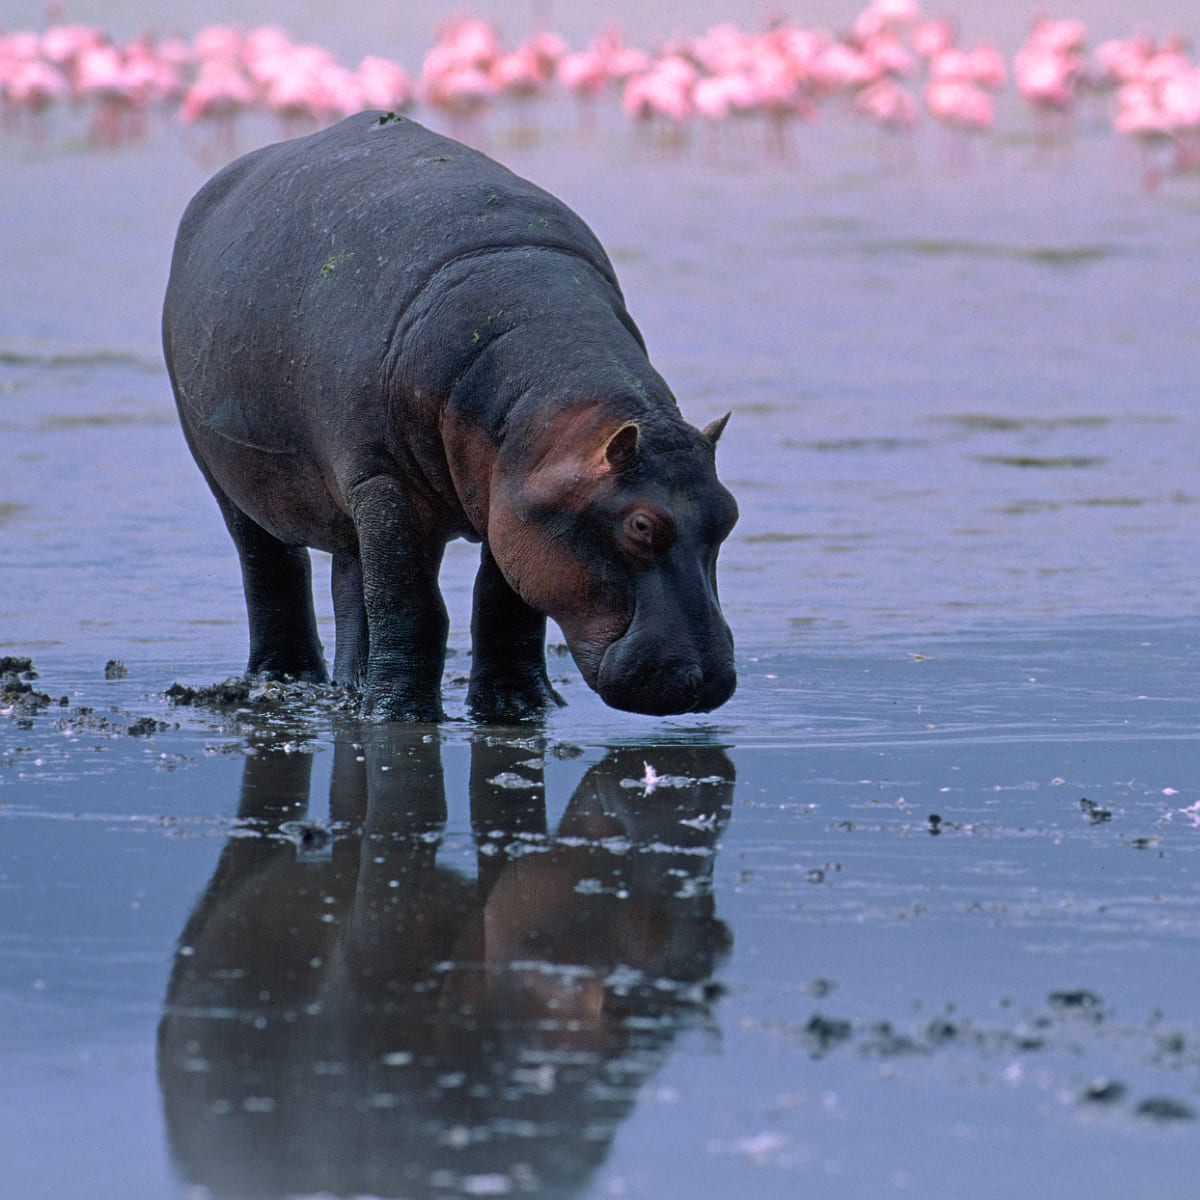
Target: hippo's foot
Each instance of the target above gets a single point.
(502, 699)
(277, 671)
(382, 704)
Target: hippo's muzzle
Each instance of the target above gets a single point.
(639, 673)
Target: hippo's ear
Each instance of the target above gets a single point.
(622, 446)
(712, 433)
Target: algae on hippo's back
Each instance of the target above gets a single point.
(470, 388)
(333, 262)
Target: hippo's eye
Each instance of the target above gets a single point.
(647, 532)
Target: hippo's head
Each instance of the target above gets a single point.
(611, 528)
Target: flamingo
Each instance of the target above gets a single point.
(220, 92)
(891, 105)
(1048, 69)
(886, 16)
(524, 74)
(29, 85)
(385, 84)
(662, 97)
(101, 77)
(456, 74)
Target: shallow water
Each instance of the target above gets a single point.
(916, 912)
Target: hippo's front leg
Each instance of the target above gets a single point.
(508, 643)
(400, 553)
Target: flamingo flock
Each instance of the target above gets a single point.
(893, 66)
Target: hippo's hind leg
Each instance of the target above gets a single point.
(277, 579)
(353, 643)
(508, 669)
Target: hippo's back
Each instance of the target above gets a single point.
(378, 182)
(296, 266)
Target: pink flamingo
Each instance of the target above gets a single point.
(1122, 60)
(221, 90)
(622, 60)
(385, 84)
(783, 75)
(102, 78)
(524, 74)
(662, 98)
(592, 72)
(585, 74)
(29, 85)
(456, 74)
(894, 110)
(1141, 116)
(1160, 110)
(886, 16)
(64, 45)
(931, 38)
(962, 108)
(1048, 69)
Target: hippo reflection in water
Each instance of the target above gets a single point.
(348, 1016)
(380, 340)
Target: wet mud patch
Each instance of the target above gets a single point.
(10, 510)
(999, 423)
(1040, 462)
(1044, 1042)
(54, 739)
(1061, 257)
(19, 698)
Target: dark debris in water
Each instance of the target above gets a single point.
(19, 699)
(1165, 1108)
(1095, 814)
(228, 693)
(283, 698)
(1103, 1091)
(145, 726)
(1078, 1000)
(1040, 1033)
(1039, 462)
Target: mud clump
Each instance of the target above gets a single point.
(146, 726)
(1165, 1108)
(278, 697)
(229, 693)
(18, 697)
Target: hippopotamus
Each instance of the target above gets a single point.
(380, 340)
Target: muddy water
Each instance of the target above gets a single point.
(915, 913)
